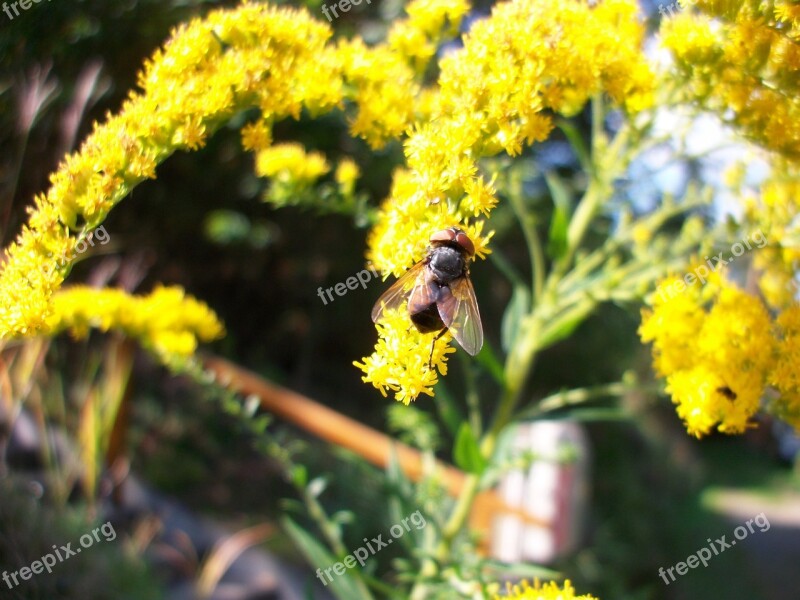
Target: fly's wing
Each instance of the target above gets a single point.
(400, 290)
(459, 312)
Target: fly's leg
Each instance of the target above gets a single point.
(433, 345)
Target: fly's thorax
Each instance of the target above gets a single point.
(446, 263)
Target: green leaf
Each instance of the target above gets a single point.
(557, 239)
(565, 324)
(467, 453)
(299, 475)
(563, 331)
(573, 134)
(342, 586)
(517, 309)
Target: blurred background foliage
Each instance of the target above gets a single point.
(201, 225)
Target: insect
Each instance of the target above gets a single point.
(439, 292)
(727, 392)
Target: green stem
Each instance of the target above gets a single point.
(576, 278)
(518, 365)
(601, 173)
(586, 211)
(581, 395)
(528, 223)
(459, 515)
(592, 198)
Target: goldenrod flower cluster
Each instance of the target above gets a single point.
(548, 591)
(530, 59)
(429, 23)
(740, 60)
(291, 163)
(347, 173)
(209, 70)
(719, 350)
(166, 321)
(400, 361)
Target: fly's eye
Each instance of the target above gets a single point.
(454, 234)
(463, 240)
(445, 235)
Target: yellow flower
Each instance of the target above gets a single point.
(429, 21)
(785, 375)
(400, 361)
(740, 60)
(692, 39)
(383, 87)
(167, 321)
(549, 591)
(788, 12)
(346, 175)
(290, 163)
(716, 359)
(672, 325)
(480, 197)
(256, 136)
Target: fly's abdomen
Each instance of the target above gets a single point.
(426, 319)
